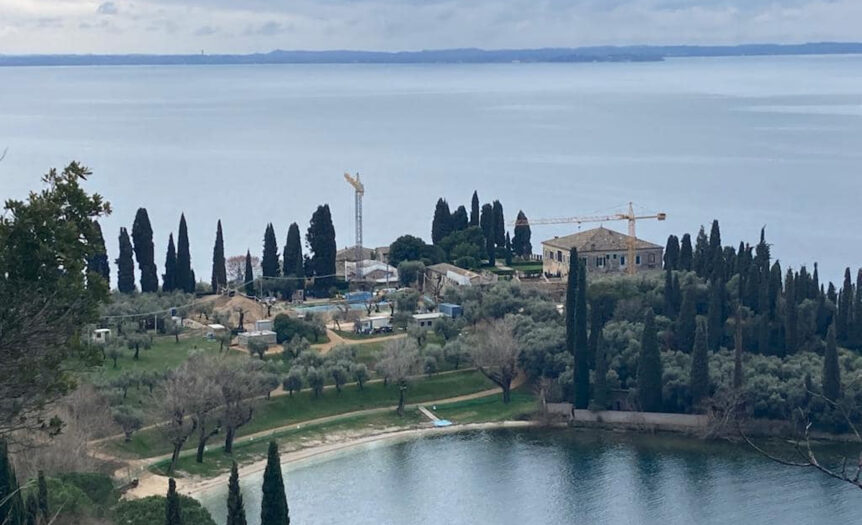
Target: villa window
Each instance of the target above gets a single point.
(600, 262)
(622, 260)
(652, 258)
(637, 259)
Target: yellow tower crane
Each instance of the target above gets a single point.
(630, 216)
(359, 189)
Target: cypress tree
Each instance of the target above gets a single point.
(474, 209)
(508, 249)
(857, 312)
(185, 279)
(791, 315)
(686, 255)
(831, 370)
(441, 226)
(273, 510)
(235, 507)
(42, 497)
(714, 251)
(687, 322)
(699, 377)
(521, 242)
(595, 333)
(219, 273)
(12, 511)
(738, 377)
(650, 368)
(125, 265)
(173, 514)
(569, 312)
(321, 241)
(715, 315)
(269, 260)
(169, 278)
(775, 287)
(582, 348)
(601, 393)
(669, 309)
(488, 228)
(460, 220)
(677, 294)
(292, 264)
(249, 275)
(142, 237)
(700, 263)
(844, 317)
(671, 253)
(762, 253)
(499, 225)
(98, 263)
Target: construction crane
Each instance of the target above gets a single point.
(360, 192)
(630, 216)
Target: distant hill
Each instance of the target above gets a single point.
(447, 56)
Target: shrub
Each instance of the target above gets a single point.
(151, 510)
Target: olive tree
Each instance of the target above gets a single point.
(399, 359)
(495, 352)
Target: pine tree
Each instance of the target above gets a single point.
(601, 392)
(219, 273)
(321, 241)
(185, 279)
(831, 370)
(687, 322)
(441, 226)
(650, 370)
(474, 209)
(582, 347)
(12, 510)
(273, 510)
(499, 225)
(292, 263)
(169, 278)
(42, 497)
(460, 220)
(791, 315)
(269, 266)
(715, 315)
(686, 256)
(700, 262)
(699, 377)
(235, 507)
(569, 312)
(249, 275)
(521, 242)
(142, 237)
(844, 317)
(125, 265)
(98, 263)
(671, 253)
(173, 514)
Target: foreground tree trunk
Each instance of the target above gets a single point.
(202, 442)
(401, 389)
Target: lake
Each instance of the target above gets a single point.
(752, 141)
(552, 477)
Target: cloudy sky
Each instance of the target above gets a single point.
(240, 26)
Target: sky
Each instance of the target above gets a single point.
(245, 26)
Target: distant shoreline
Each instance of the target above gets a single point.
(625, 54)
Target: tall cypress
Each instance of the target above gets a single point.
(687, 322)
(441, 226)
(125, 264)
(791, 315)
(185, 279)
(582, 348)
(142, 237)
(321, 241)
(700, 262)
(686, 255)
(249, 275)
(460, 219)
(273, 509)
(499, 225)
(488, 223)
(569, 312)
(699, 376)
(715, 315)
(508, 249)
(474, 210)
(714, 250)
(98, 263)
(650, 369)
(857, 312)
(235, 506)
(219, 273)
(669, 310)
(671, 253)
(173, 514)
(169, 278)
(269, 260)
(292, 263)
(521, 242)
(831, 371)
(844, 318)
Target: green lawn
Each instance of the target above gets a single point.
(285, 410)
(165, 354)
(523, 403)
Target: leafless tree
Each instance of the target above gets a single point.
(495, 352)
(241, 381)
(399, 360)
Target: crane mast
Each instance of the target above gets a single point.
(359, 189)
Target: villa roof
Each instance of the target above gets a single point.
(598, 239)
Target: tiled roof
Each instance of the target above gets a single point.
(598, 239)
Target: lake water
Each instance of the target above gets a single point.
(752, 141)
(559, 477)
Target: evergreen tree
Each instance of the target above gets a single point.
(269, 266)
(249, 275)
(12, 510)
(441, 226)
(460, 220)
(488, 224)
(569, 311)
(687, 322)
(844, 316)
(292, 264)
(762, 253)
(169, 278)
(699, 377)
(219, 274)
(582, 347)
(42, 497)
(508, 249)
(173, 514)
(791, 315)
(700, 262)
(715, 315)
(671, 253)
(686, 256)
(273, 510)
(601, 392)
(831, 370)
(775, 287)
(142, 237)
(738, 377)
(499, 225)
(714, 251)
(98, 263)
(185, 279)
(125, 265)
(650, 370)
(669, 310)
(521, 242)
(235, 507)
(474, 210)
(320, 238)
(857, 312)
(596, 325)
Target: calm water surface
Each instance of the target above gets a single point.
(525, 477)
(753, 141)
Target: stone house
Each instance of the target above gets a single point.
(603, 251)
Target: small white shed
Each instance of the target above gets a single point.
(100, 335)
(215, 330)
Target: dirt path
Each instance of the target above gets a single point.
(335, 340)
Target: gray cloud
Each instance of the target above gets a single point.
(107, 8)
